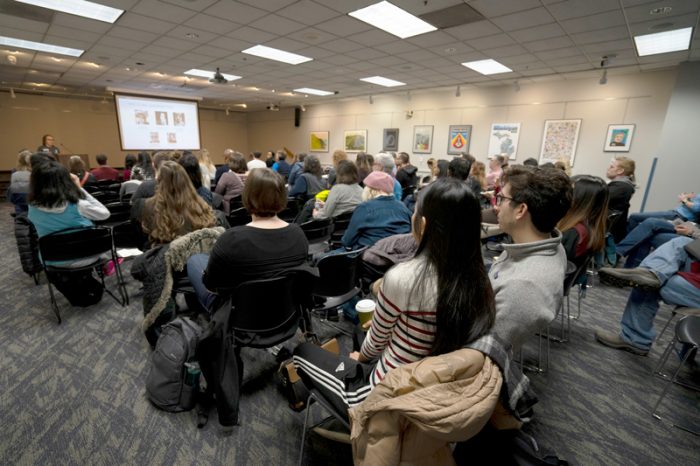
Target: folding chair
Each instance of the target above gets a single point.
(317, 232)
(315, 395)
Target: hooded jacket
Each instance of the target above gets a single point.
(407, 176)
(419, 408)
(620, 191)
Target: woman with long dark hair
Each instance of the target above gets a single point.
(433, 304)
(310, 182)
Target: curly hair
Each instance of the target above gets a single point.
(176, 206)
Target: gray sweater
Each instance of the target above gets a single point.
(342, 198)
(528, 282)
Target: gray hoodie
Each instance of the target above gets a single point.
(528, 282)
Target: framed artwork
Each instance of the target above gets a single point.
(619, 138)
(559, 140)
(503, 139)
(458, 139)
(318, 141)
(391, 139)
(423, 139)
(356, 140)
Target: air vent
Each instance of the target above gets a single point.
(457, 15)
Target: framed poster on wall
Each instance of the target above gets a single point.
(355, 140)
(503, 139)
(423, 139)
(619, 138)
(318, 141)
(458, 139)
(559, 141)
(391, 140)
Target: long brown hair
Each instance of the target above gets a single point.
(590, 207)
(175, 205)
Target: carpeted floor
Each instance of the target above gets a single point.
(74, 393)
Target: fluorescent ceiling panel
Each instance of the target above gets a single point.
(277, 55)
(40, 46)
(663, 42)
(210, 74)
(386, 82)
(310, 90)
(79, 8)
(392, 19)
(488, 66)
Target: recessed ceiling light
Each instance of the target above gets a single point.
(663, 42)
(488, 66)
(276, 54)
(310, 90)
(386, 82)
(392, 19)
(210, 74)
(192, 35)
(79, 8)
(40, 46)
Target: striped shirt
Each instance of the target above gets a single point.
(403, 326)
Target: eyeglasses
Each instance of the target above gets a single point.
(500, 197)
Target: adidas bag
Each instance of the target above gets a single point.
(167, 384)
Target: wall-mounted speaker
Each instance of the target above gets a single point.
(297, 116)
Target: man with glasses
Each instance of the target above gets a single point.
(528, 277)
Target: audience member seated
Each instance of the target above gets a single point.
(256, 161)
(270, 159)
(129, 162)
(621, 188)
(230, 184)
(563, 165)
(281, 166)
(459, 169)
(423, 308)
(207, 168)
(104, 172)
(528, 277)
(385, 163)
(310, 181)
(648, 235)
(224, 168)
(57, 202)
(379, 216)
(495, 170)
(260, 249)
(19, 182)
(406, 174)
(176, 209)
(296, 169)
(344, 196)
(668, 273)
(338, 155)
(194, 172)
(143, 170)
(530, 162)
(364, 163)
(128, 188)
(77, 167)
(583, 227)
(687, 211)
(147, 188)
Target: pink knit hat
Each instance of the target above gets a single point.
(380, 181)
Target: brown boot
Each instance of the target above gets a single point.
(638, 277)
(614, 340)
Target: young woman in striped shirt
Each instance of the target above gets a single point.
(433, 304)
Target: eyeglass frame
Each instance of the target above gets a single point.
(500, 197)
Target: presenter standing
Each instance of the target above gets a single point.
(47, 146)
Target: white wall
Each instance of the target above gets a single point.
(641, 99)
(678, 151)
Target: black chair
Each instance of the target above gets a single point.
(239, 217)
(687, 334)
(291, 211)
(316, 396)
(317, 232)
(235, 203)
(340, 224)
(408, 191)
(127, 235)
(106, 197)
(74, 245)
(575, 277)
(118, 213)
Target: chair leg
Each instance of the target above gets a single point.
(304, 428)
(54, 304)
(120, 281)
(664, 358)
(668, 322)
(654, 411)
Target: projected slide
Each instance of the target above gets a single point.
(148, 123)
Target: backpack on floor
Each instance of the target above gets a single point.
(79, 287)
(169, 384)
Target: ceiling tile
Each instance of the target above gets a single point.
(610, 46)
(546, 31)
(523, 19)
(210, 51)
(312, 36)
(473, 30)
(489, 8)
(277, 24)
(675, 22)
(237, 12)
(307, 12)
(366, 54)
(498, 40)
(594, 22)
(283, 43)
(575, 8)
(641, 13)
(197, 5)
(548, 44)
(601, 35)
(344, 26)
(255, 36)
(558, 53)
(161, 51)
(431, 39)
(397, 46)
(504, 52)
(16, 22)
(144, 23)
(339, 60)
(387, 61)
(157, 9)
(373, 38)
(132, 34)
(269, 5)
(342, 45)
(120, 43)
(202, 37)
(84, 24)
(210, 23)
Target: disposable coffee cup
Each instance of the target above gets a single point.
(365, 310)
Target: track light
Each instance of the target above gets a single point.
(603, 78)
(12, 94)
(303, 108)
(516, 86)
(458, 92)
(371, 100)
(227, 111)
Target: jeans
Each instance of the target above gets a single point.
(636, 219)
(652, 232)
(196, 265)
(642, 305)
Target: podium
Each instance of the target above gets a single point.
(64, 160)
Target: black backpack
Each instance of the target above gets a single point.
(79, 287)
(169, 384)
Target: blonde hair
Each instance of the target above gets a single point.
(23, 164)
(203, 159)
(76, 165)
(371, 193)
(339, 155)
(176, 205)
(628, 166)
(564, 165)
(478, 171)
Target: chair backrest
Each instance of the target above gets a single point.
(338, 273)
(118, 212)
(127, 235)
(614, 216)
(235, 203)
(106, 197)
(317, 231)
(74, 244)
(291, 211)
(265, 312)
(341, 222)
(239, 217)
(574, 276)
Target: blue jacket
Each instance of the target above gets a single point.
(398, 190)
(376, 219)
(294, 172)
(691, 213)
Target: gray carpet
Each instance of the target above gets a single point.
(74, 393)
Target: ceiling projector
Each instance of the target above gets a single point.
(218, 78)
